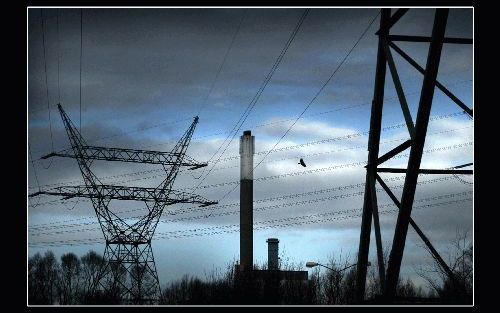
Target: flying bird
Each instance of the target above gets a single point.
(302, 162)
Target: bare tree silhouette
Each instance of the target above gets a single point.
(460, 257)
(92, 267)
(43, 278)
(69, 279)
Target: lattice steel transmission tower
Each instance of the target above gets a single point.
(417, 133)
(130, 262)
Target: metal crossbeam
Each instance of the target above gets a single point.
(125, 193)
(424, 171)
(428, 39)
(127, 155)
(402, 147)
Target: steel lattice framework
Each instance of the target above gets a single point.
(417, 133)
(130, 262)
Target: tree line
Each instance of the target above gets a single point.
(72, 280)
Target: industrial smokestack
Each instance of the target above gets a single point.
(272, 253)
(247, 149)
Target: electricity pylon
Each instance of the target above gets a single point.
(417, 132)
(130, 262)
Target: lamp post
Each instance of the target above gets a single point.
(338, 277)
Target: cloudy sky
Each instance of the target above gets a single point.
(147, 72)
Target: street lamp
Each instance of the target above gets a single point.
(313, 264)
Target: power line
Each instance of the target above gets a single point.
(196, 209)
(58, 59)
(33, 110)
(258, 94)
(277, 122)
(222, 64)
(354, 164)
(234, 157)
(333, 212)
(428, 199)
(223, 206)
(46, 79)
(321, 89)
(292, 119)
(297, 203)
(341, 150)
(317, 170)
(348, 136)
(318, 153)
(252, 103)
(189, 210)
(291, 196)
(47, 226)
(189, 218)
(313, 99)
(34, 168)
(391, 127)
(236, 183)
(302, 220)
(139, 130)
(270, 223)
(97, 139)
(81, 52)
(291, 174)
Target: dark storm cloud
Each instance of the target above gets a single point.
(156, 54)
(135, 60)
(134, 52)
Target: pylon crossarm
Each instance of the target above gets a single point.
(127, 155)
(125, 193)
(463, 165)
(428, 39)
(424, 171)
(185, 197)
